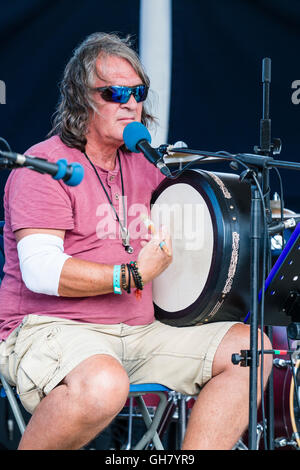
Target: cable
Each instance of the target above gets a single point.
(281, 203)
(202, 157)
(293, 373)
(179, 172)
(262, 197)
(281, 193)
(262, 308)
(5, 143)
(294, 387)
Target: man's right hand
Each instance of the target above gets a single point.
(152, 259)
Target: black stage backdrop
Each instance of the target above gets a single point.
(218, 47)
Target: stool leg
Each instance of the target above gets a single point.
(181, 419)
(152, 425)
(129, 441)
(14, 404)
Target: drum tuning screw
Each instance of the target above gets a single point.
(281, 363)
(284, 442)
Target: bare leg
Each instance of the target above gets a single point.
(220, 414)
(80, 407)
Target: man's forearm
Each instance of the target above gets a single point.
(80, 278)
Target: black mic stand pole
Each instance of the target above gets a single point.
(267, 148)
(254, 277)
(255, 239)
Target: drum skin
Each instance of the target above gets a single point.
(225, 295)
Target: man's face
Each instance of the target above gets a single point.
(108, 124)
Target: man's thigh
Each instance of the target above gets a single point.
(46, 349)
(180, 358)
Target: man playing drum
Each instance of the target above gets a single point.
(77, 317)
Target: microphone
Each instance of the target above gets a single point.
(71, 174)
(137, 139)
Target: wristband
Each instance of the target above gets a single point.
(116, 279)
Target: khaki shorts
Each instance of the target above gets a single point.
(40, 352)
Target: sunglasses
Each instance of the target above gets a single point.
(122, 94)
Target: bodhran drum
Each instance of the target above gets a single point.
(208, 216)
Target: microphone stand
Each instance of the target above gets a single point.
(266, 148)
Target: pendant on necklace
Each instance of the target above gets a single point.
(126, 239)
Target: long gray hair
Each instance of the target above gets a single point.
(76, 103)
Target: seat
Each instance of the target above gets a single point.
(167, 399)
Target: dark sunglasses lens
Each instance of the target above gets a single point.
(120, 94)
(106, 94)
(114, 94)
(140, 93)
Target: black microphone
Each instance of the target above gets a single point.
(71, 174)
(137, 139)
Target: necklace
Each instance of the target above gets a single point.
(124, 230)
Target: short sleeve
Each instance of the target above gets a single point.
(36, 200)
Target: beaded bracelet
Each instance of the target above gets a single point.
(129, 279)
(136, 275)
(133, 274)
(123, 276)
(137, 279)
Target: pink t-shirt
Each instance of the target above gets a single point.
(92, 233)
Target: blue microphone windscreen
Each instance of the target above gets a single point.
(77, 174)
(133, 133)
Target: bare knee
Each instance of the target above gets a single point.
(237, 339)
(99, 392)
(267, 358)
